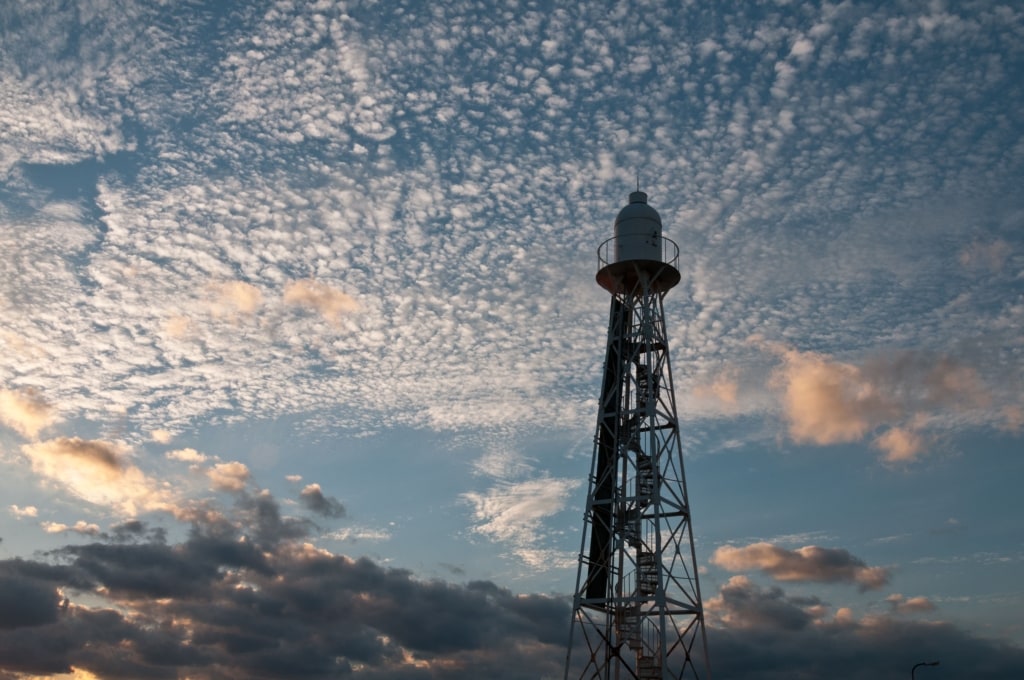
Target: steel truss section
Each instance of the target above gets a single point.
(637, 609)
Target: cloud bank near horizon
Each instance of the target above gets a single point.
(256, 599)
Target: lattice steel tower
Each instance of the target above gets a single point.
(637, 610)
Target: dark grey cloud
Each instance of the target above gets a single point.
(25, 602)
(314, 499)
(149, 570)
(742, 604)
(101, 640)
(884, 651)
(262, 514)
(135, 530)
(44, 572)
(247, 598)
(766, 634)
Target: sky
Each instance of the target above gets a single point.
(300, 343)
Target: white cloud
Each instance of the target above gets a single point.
(27, 511)
(356, 534)
(802, 47)
(503, 462)
(161, 436)
(186, 456)
(79, 527)
(512, 513)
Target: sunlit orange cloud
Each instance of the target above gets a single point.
(329, 302)
(955, 384)
(826, 401)
(99, 472)
(844, 616)
(810, 563)
(910, 605)
(724, 388)
(26, 412)
(75, 674)
(229, 476)
(1013, 417)
(829, 402)
(900, 445)
(991, 256)
(178, 326)
(232, 298)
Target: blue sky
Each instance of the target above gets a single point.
(300, 342)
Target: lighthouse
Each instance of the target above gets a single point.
(637, 610)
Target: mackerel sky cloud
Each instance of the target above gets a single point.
(298, 317)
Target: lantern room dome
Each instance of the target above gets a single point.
(637, 210)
